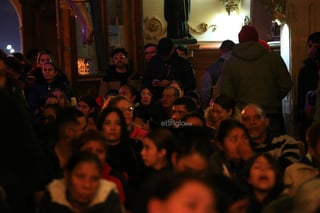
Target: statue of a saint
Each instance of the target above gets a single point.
(176, 13)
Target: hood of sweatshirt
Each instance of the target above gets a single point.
(249, 51)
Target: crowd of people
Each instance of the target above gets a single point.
(162, 147)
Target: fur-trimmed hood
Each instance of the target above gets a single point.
(57, 190)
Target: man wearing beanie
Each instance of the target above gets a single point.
(256, 75)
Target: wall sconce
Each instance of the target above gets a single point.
(202, 28)
(231, 5)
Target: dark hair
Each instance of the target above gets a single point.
(149, 45)
(195, 115)
(279, 184)
(189, 104)
(105, 112)
(119, 50)
(163, 139)
(193, 140)
(314, 37)
(91, 135)
(88, 99)
(226, 102)
(162, 186)
(183, 49)
(14, 64)
(176, 91)
(165, 46)
(317, 57)
(227, 45)
(67, 116)
(226, 126)
(82, 157)
(313, 133)
(131, 88)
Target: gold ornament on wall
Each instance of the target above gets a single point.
(231, 5)
(153, 29)
(277, 8)
(202, 28)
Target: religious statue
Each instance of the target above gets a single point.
(176, 13)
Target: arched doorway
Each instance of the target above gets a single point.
(10, 38)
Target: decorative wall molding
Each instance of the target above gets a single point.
(153, 29)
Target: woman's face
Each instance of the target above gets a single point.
(111, 128)
(150, 154)
(146, 97)
(83, 182)
(262, 176)
(193, 162)
(44, 58)
(49, 72)
(235, 141)
(127, 111)
(191, 197)
(61, 97)
(95, 147)
(219, 114)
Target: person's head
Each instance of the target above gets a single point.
(194, 119)
(264, 176)
(223, 107)
(125, 106)
(49, 71)
(146, 96)
(82, 177)
(174, 192)
(128, 91)
(232, 136)
(113, 125)
(169, 95)
(177, 84)
(313, 141)
(60, 94)
(95, 142)
(192, 150)
(150, 50)
(226, 46)
(248, 33)
(195, 96)
(231, 196)
(182, 51)
(313, 44)
(14, 68)
(51, 99)
(165, 48)
(157, 148)
(182, 107)
(49, 113)
(255, 120)
(43, 57)
(119, 57)
(87, 105)
(71, 124)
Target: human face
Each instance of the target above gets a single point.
(193, 162)
(150, 52)
(262, 175)
(81, 126)
(44, 58)
(255, 122)
(127, 110)
(49, 115)
(111, 128)
(95, 147)
(119, 60)
(83, 182)
(85, 108)
(51, 100)
(61, 97)
(178, 112)
(232, 142)
(3, 69)
(191, 197)
(146, 97)
(151, 156)
(125, 91)
(312, 49)
(219, 114)
(48, 72)
(168, 97)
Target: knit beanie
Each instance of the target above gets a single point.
(248, 33)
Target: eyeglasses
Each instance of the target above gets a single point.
(129, 109)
